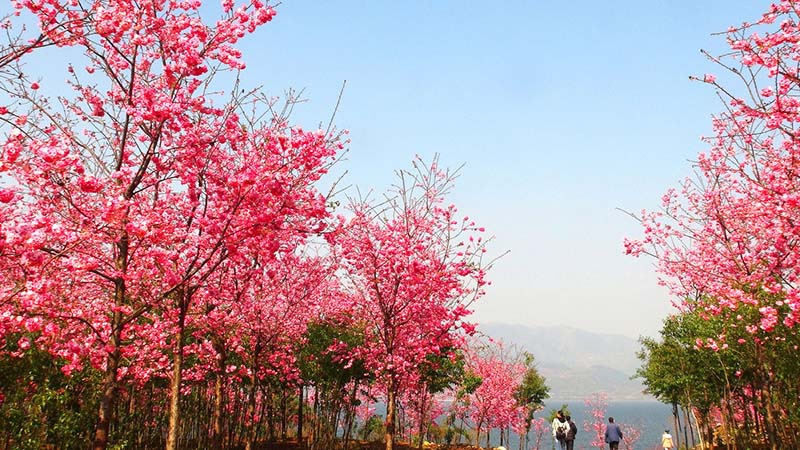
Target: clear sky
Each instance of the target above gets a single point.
(560, 111)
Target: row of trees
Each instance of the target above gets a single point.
(332, 403)
(172, 275)
(739, 395)
(726, 244)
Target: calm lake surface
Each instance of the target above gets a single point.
(650, 417)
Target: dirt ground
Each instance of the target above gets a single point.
(361, 445)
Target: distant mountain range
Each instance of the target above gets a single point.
(577, 363)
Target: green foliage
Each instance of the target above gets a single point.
(713, 363)
(41, 406)
(452, 433)
(553, 412)
(373, 429)
(444, 370)
(323, 357)
(470, 383)
(533, 391)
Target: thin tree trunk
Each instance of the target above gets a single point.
(478, 431)
(106, 404)
(390, 413)
(284, 421)
(772, 424)
(251, 410)
(216, 430)
(270, 417)
(261, 414)
(216, 417)
(175, 386)
(351, 415)
(699, 431)
(300, 416)
(687, 427)
(314, 437)
(108, 399)
(421, 419)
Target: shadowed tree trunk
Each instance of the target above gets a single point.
(177, 372)
(390, 415)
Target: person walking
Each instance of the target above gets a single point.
(560, 428)
(573, 430)
(666, 440)
(613, 434)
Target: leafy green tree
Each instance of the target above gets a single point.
(531, 393)
(470, 382)
(39, 405)
(439, 372)
(325, 361)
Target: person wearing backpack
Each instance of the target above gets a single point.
(560, 428)
(573, 430)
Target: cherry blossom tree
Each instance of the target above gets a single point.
(726, 240)
(595, 424)
(128, 195)
(155, 218)
(414, 267)
(728, 237)
(493, 402)
(540, 428)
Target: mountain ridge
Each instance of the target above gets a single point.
(577, 363)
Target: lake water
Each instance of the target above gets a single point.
(650, 417)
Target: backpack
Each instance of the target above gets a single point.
(573, 431)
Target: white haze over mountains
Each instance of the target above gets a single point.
(577, 363)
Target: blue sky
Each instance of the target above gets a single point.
(561, 111)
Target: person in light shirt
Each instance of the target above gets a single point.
(560, 428)
(666, 440)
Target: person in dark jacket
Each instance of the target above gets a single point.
(613, 434)
(573, 430)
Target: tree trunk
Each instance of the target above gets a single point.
(315, 424)
(351, 415)
(216, 430)
(251, 411)
(175, 386)
(478, 431)
(270, 417)
(107, 401)
(421, 419)
(686, 426)
(699, 430)
(676, 421)
(772, 425)
(284, 422)
(390, 413)
(300, 417)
